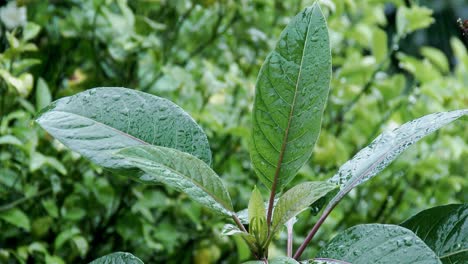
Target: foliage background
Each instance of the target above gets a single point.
(393, 61)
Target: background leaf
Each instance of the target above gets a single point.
(376, 243)
(181, 171)
(291, 91)
(100, 121)
(118, 258)
(445, 230)
(17, 218)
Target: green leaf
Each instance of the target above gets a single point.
(436, 57)
(117, 258)
(10, 140)
(17, 218)
(98, 122)
(280, 260)
(291, 91)
(30, 31)
(324, 261)
(376, 243)
(379, 44)
(43, 96)
(386, 148)
(444, 229)
(181, 171)
(257, 217)
(298, 199)
(411, 19)
(23, 83)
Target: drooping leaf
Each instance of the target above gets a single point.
(257, 217)
(445, 230)
(376, 243)
(291, 92)
(117, 258)
(280, 260)
(386, 148)
(98, 122)
(17, 218)
(298, 199)
(181, 171)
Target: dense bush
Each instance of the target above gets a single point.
(205, 56)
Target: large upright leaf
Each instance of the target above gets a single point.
(445, 230)
(298, 199)
(291, 92)
(181, 171)
(117, 258)
(376, 243)
(100, 121)
(385, 148)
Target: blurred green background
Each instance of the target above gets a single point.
(393, 61)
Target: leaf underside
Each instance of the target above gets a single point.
(291, 91)
(98, 122)
(117, 258)
(181, 171)
(376, 243)
(445, 230)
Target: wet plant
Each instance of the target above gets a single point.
(152, 140)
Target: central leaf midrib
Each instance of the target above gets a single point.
(293, 104)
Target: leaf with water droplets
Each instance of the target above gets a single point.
(376, 243)
(386, 148)
(100, 121)
(445, 230)
(324, 261)
(296, 200)
(291, 91)
(117, 258)
(181, 171)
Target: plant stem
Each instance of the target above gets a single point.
(8, 206)
(238, 223)
(314, 230)
(289, 246)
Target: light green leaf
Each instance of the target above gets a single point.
(445, 230)
(30, 31)
(291, 92)
(298, 199)
(23, 83)
(386, 148)
(117, 258)
(257, 217)
(376, 243)
(379, 44)
(43, 96)
(411, 19)
(17, 218)
(324, 261)
(65, 236)
(436, 57)
(181, 171)
(98, 122)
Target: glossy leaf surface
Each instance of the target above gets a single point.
(445, 230)
(324, 261)
(181, 171)
(386, 148)
(298, 199)
(376, 243)
(117, 258)
(98, 122)
(291, 91)
(280, 260)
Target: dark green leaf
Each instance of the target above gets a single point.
(298, 199)
(181, 171)
(98, 122)
(445, 230)
(17, 218)
(376, 243)
(291, 92)
(117, 258)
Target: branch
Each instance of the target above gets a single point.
(8, 206)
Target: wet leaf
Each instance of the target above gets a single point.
(117, 258)
(280, 260)
(445, 230)
(181, 171)
(291, 91)
(376, 243)
(386, 148)
(298, 199)
(100, 121)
